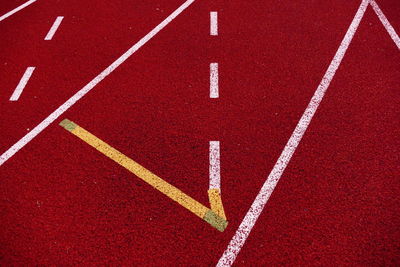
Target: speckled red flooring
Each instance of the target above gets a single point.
(338, 202)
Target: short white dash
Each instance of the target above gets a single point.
(54, 28)
(214, 23)
(22, 83)
(214, 92)
(15, 10)
(215, 169)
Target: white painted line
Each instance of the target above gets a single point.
(258, 205)
(16, 9)
(386, 23)
(22, 83)
(214, 92)
(214, 23)
(54, 28)
(215, 169)
(87, 88)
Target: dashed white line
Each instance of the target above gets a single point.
(54, 28)
(87, 88)
(214, 23)
(22, 83)
(386, 23)
(258, 205)
(214, 91)
(16, 9)
(215, 169)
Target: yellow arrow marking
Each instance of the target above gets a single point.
(214, 195)
(214, 216)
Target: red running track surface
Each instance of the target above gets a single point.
(62, 202)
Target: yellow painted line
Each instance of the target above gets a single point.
(214, 195)
(161, 185)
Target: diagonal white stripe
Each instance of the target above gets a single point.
(87, 88)
(54, 28)
(258, 205)
(22, 83)
(386, 23)
(15, 10)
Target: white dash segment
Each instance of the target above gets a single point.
(214, 90)
(214, 23)
(15, 10)
(87, 88)
(215, 168)
(389, 28)
(54, 28)
(269, 185)
(22, 83)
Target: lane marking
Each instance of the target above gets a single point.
(87, 88)
(389, 28)
(214, 23)
(268, 187)
(214, 196)
(214, 91)
(147, 176)
(54, 28)
(214, 191)
(215, 169)
(22, 83)
(16, 9)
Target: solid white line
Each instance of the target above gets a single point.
(22, 83)
(215, 170)
(258, 205)
(17, 9)
(214, 80)
(54, 28)
(386, 23)
(64, 107)
(214, 23)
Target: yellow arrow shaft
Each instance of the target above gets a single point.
(158, 183)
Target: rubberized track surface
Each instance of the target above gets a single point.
(61, 202)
